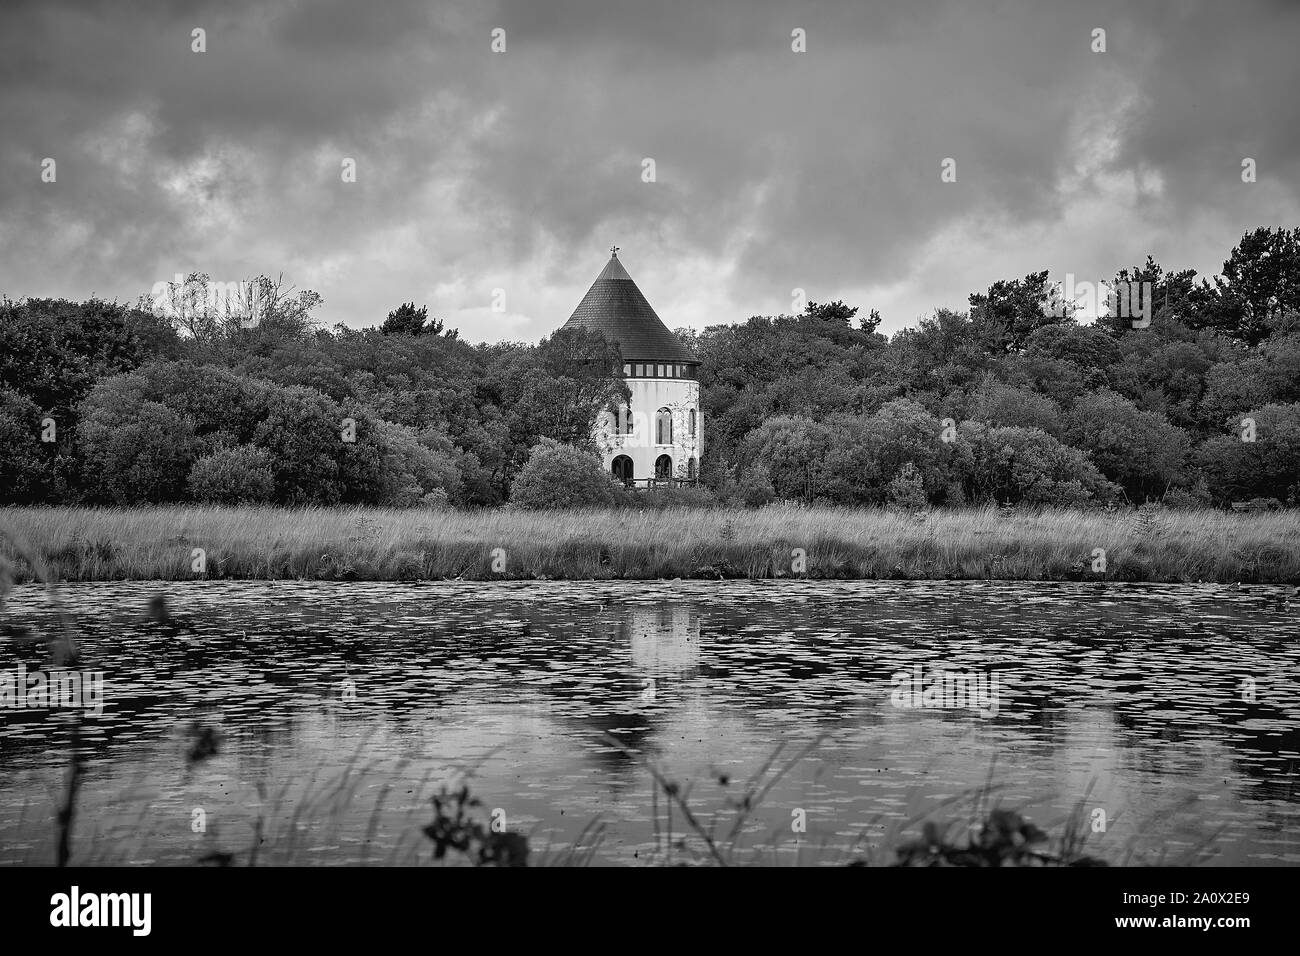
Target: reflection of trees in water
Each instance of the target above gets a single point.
(1260, 739)
(1266, 751)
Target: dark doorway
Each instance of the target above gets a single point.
(622, 469)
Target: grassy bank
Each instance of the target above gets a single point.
(92, 544)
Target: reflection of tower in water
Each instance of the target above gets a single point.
(663, 644)
(665, 641)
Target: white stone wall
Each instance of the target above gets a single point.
(679, 395)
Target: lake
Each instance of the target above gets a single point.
(1167, 714)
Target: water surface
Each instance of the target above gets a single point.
(341, 707)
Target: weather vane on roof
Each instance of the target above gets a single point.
(614, 249)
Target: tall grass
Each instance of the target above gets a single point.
(64, 653)
(86, 544)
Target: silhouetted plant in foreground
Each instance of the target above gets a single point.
(65, 655)
(720, 847)
(453, 828)
(686, 835)
(1004, 839)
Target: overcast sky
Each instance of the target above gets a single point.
(775, 170)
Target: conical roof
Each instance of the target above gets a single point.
(615, 308)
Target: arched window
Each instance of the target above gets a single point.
(625, 420)
(663, 467)
(691, 470)
(692, 423)
(621, 468)
(663, 427)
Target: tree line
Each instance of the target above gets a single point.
(1012, 400)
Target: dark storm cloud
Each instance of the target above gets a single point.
(154, 142)
(1220, 85)
(774, 170)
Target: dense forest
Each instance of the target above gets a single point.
(1011, 401)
